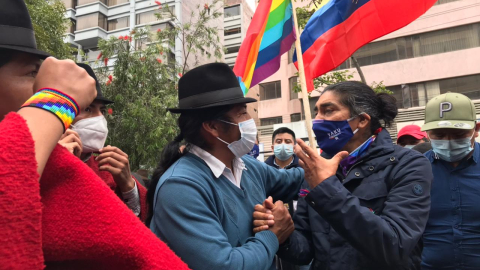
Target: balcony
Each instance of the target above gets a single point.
(89, 37)
(86, 2)
(90, 28)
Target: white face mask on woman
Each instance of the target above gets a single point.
(93, 133)
(248, 131)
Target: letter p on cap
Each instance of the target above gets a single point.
(445, 109)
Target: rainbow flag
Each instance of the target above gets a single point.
(340, 27)
(270, 34)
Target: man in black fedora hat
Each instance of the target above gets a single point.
(86, 139)
(19, 57)
(202, 198)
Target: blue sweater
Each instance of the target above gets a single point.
(208, 222)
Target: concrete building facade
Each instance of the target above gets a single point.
(93, 20)
(437, 53)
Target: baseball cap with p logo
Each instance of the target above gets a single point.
(450, 110)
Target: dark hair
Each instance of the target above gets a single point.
(283, 130)
(5, 56)
(190, 124)
(359, 97)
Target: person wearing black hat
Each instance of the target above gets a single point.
(202, 198)
(86, 140)
(19, 57)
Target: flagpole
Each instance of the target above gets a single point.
(303, 82)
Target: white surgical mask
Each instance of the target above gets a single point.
(283, 151)
(93, 133)
(248, 131)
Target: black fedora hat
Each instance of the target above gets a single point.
(90, 72)
(16, 31)
(206, 86)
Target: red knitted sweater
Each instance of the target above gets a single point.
(108, 179)
(71, 219)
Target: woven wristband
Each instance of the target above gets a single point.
(56, 102)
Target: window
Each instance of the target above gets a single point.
(92, 54)
(435, 42)
(446, 40)
(418, 94)
(70, 3)
(84, 2)
(116, 2)
(312, 102)
(162, 26)
(233, 49)
(73, 26)
(271, 121)
(290, 53)
(91, 20)
(231, 11)
(149, 16)
(171, 57)
(439, 2)
(292, 82)
(270, 90)
(232, 31)
(295, 117)
(119, 23)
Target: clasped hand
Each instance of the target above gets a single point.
(274, 217)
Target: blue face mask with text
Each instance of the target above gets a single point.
(452, 150)
(332, 136)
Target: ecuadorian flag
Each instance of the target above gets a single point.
(340, 27)
(270, 34)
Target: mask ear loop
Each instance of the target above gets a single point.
(350, 119)
(227, 122)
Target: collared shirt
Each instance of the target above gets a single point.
(275, 162)
(452, 234)
(218, 168)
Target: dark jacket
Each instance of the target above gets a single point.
(294, 164)
(271, 158)
(372, 219)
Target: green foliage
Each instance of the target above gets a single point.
(304, 13)
(198, 36)
(143, 84)
(142, 89)
(50, 26)
(380, 88)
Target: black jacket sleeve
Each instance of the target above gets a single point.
(390, 237)
(298, 249)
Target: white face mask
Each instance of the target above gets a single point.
(248, 131)
(93, 133)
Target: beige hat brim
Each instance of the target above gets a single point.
(455, 124)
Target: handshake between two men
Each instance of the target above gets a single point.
(275, 216)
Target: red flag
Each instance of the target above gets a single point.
(340, 27)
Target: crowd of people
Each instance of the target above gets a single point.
(67, 201)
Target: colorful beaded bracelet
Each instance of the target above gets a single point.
(56, 102)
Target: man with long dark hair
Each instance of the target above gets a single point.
(202, 198)
(369, 211)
